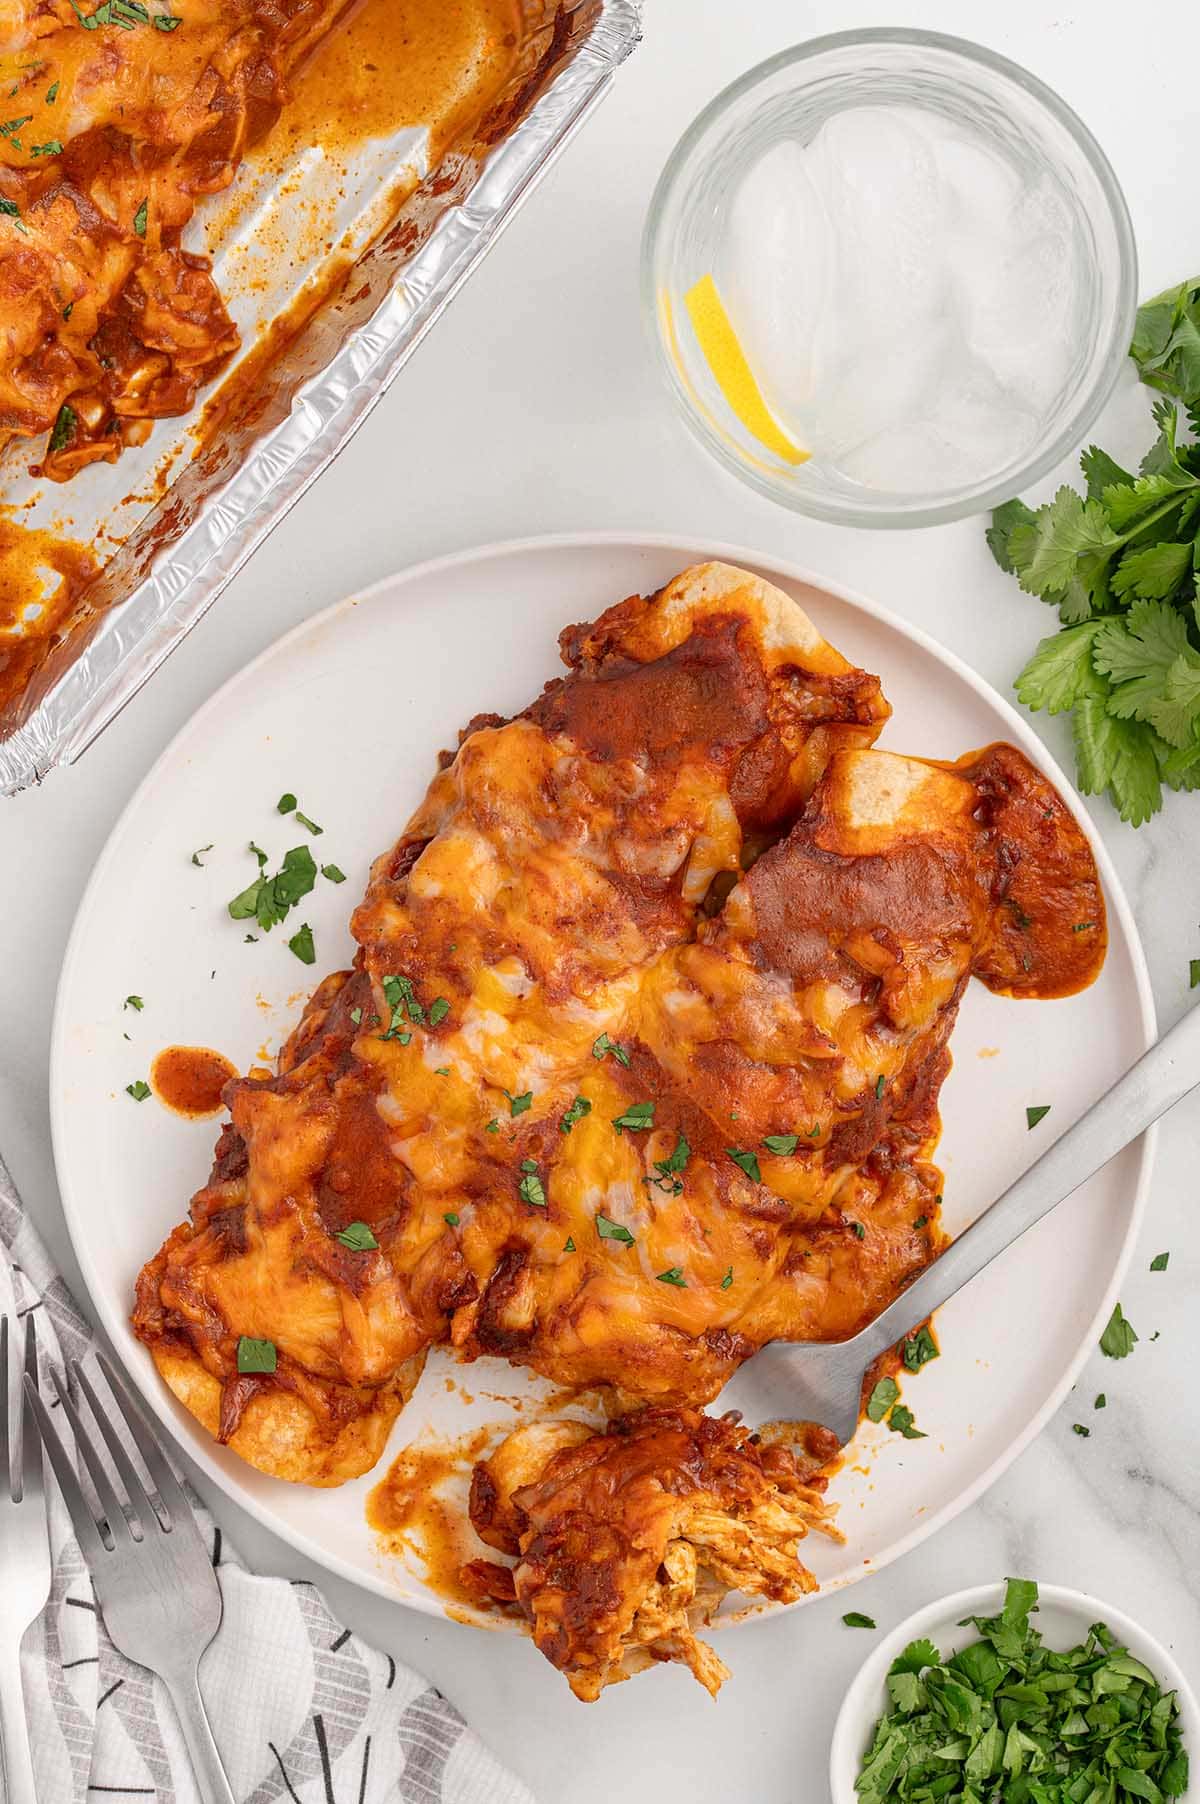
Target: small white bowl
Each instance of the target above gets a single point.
(1063, 1618)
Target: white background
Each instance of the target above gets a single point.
(533, 407)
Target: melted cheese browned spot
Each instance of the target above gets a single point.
(620, 1219)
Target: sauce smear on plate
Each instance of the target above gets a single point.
(190, 1079)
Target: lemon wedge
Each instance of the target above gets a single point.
(734, 377)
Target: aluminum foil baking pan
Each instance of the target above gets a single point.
(175, 558)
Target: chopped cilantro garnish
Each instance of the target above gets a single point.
(781, 1144)
(1118, 1338)
(450, 1219)
(1036, 1113)
(310, 825)
(530, 1188)
(51, 148)
(139, 1090)
(604, 1044)
(270, 899)
(578, 1109)
(1078, 1428)
(256, 1355)
(638, 1116)
(301, 943)
(672, 1275)
(922, 1221)
(854, 1619)
(569, 1246)
(493, 1126)
(1101, 1401)
(196, 858)
(334, 873)
(358, 1237)
(439, 1008)
(612, 1230)
(1159, 1262)
(748, 1163)
(441, 1071)
(517, 1105)
(727, 1280)
(52, 93)
(167, 21)
(667, 1169)
(1008, 1718)
(140, 219)
(64, 428)
(356, 1016)
(286, 803)
(134, 1002)
(401, 998)
(902, 1421)
(858, 1229)
(880, 1081)
(881, 1399)
(1193, 973)
(919, 1349)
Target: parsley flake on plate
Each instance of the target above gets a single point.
(139, 1090)
(301, 943)
(357, 1236)
(854, 1619)
(1038, 1112)
(196, 858)
(136, 1002)
(268, 900)
(256, 1355)
(1079, 1429)
(1118, 1339)
(1157, 1264)
(334, 873)
(1008, 1718)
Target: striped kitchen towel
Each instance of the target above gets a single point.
(301, 1709)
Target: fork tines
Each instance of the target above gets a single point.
(20, 1454)
(159, 1510)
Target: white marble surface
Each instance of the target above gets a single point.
(533, 407)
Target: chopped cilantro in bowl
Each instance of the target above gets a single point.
(1004, 1695)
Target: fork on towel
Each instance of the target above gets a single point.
(154, 1581)
(24, 1538)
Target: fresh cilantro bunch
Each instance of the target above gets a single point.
(1009, 1721)
(1120, 564)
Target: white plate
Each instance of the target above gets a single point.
(348, 712)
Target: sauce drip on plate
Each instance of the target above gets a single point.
(190, 1079)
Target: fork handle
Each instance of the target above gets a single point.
(19, 1787)
(1148, 1089)
(211, 1780)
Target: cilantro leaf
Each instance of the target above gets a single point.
(358, 1237)
(881, 1399)
(301, 943)
(781, 1144)
(1061, 671)
(612, 1230)
(1118, 1339)
(638, 1116)
(578, 1109)
(854, 1619)
(747, 1161)
(919, 1349)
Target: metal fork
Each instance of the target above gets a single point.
(823, 1382)
(154, 1581)
(24, 1544)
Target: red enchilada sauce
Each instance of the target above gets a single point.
(191, 1079)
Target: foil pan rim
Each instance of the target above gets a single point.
(137, 635)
